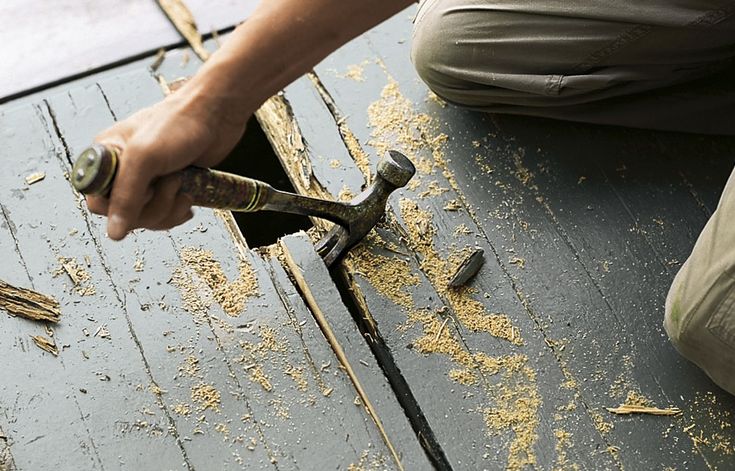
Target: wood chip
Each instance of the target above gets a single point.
(28, 304)
(35, 177)
(183, 20)
(627, 409)
(46, 344)
(468, 268)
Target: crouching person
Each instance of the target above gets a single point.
(700, 307)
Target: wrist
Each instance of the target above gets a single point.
(212, 96)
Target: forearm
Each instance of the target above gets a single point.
(279, 42)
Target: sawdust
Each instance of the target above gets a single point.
(361, 158)
(77, 274)
(396, 124)
(390, 275)
(182, 409)
(463, 376)
(190, 367)
(345, 194)
(355, 72)
(563, 443)
(206, 396)
(200, 279)
(223, 429)
(297, 374)
(715, 432)
(470, 312)
(258, 376)
(28, 304)
(599, 422)
(484, 166)
(513, 400)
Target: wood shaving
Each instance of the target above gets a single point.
(28, 304)
(626, 409)
(46, 344)
(35, 178)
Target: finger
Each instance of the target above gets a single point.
(129, 191)
(180, 213)
(98, 204)
(162, 202)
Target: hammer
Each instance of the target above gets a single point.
(95, 168)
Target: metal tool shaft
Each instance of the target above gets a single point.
(95, 169)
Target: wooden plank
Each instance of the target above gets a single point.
(561, 229)
(375, 393)
(44, 230)
(56, 44)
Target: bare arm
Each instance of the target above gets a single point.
(202, 122)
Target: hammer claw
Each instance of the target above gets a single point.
(329, 240)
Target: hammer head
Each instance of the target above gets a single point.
(365, 210)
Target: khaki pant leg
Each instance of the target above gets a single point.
(659, 64)
(700, 307)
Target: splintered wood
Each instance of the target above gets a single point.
(28, 304)
(46, 344)
(637, 404)
(183, 20)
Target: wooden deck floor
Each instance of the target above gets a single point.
(189, 350)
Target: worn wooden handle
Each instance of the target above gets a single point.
(95, 169)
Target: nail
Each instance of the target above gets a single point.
(116, 227)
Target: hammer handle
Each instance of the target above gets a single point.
(95, 169)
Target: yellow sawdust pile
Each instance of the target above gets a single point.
(470, 312)
(206, 396)
(201, 279)
(508, 381)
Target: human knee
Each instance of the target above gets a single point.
(474, 55)
(431, 46)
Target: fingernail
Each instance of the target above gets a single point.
(116, 229)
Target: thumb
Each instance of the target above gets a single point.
(128, 195)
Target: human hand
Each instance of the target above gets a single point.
(184, 129)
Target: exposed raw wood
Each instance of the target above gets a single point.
(29, 304)
(627, 409)
(180, 15)
(46, 344)
(35, 177)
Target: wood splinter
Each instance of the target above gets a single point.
(28, 304)
(46, 344)
(627, 409)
